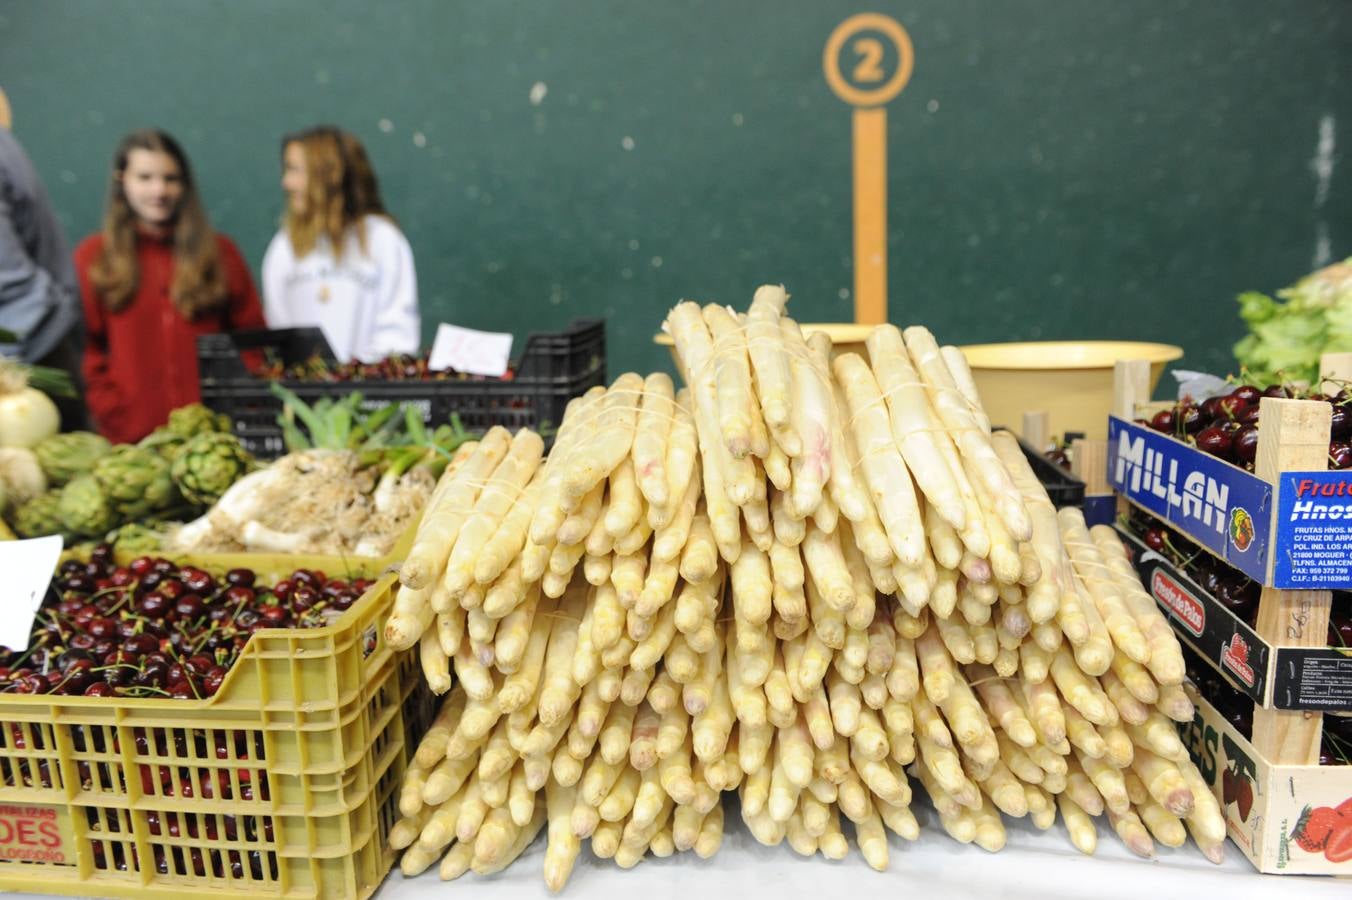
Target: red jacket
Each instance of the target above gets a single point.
(141, 362)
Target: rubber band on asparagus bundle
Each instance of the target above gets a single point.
(590, 415)
(884, 396)
(467, 511)
(893, 447)
(557, 614)
(1091, 564)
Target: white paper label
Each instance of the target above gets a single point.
(28, 567)
(467, 350)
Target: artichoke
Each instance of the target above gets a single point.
(137, 540)
(164, 442)
(84, 509)
(208, 465)
(63, 456)
(196, 419)
(136, 482)
(39, 516)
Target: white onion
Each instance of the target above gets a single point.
(27, 415)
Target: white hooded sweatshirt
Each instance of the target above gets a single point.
(365, 303)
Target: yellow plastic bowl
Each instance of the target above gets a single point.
(1072, 381)
(846, 337)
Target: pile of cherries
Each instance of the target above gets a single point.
(1227, 426)
(1233, 589)
(397, 367)
(153, 629)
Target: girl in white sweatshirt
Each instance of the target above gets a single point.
(339, 261)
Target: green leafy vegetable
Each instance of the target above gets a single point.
(1288, 335)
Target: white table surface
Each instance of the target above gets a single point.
(1033, 866)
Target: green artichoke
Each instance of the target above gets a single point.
(208, 465)
(84, 509)
(138, 540)
(39, 516)
(164, 442)
(196, 419)
(136, 482)
(64, 456)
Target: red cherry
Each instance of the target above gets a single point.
(1156, 539)
(212, 681)
(1340, 455)
(304, 596)
(239, 594)
(1190, 417)
(183, 690)
(197, 580)
(171, 589)
(1232, 405)
(141, 644)
(156, 605)
(1214, 440)
(189, 607)
(275, 616)
(199, 665)
(240, 577)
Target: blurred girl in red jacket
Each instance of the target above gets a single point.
(152, 280)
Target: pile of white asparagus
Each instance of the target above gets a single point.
(812, 581)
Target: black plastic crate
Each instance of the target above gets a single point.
(551, 370)
(1063, 488)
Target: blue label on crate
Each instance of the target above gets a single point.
(1216, 504)
(1314, 531)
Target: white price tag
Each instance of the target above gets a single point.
(28, 567)
(467, 350)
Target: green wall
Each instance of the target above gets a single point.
(1058, 169)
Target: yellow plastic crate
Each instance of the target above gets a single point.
(283, 784)
(282, 564)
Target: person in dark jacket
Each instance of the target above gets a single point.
(39, 295)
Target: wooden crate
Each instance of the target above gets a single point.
(1281, 760)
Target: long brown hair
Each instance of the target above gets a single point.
(361, 185)
(199, 284)
(340, 186)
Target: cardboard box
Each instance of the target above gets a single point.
(1264, 804)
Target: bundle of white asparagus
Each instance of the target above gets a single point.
(811, 581)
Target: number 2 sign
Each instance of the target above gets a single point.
(876, 53)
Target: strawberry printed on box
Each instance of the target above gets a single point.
(1287, 819)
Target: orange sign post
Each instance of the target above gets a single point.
(882, 62)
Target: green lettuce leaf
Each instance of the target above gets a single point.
(1288, 335)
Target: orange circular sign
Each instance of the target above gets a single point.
(859, 31)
